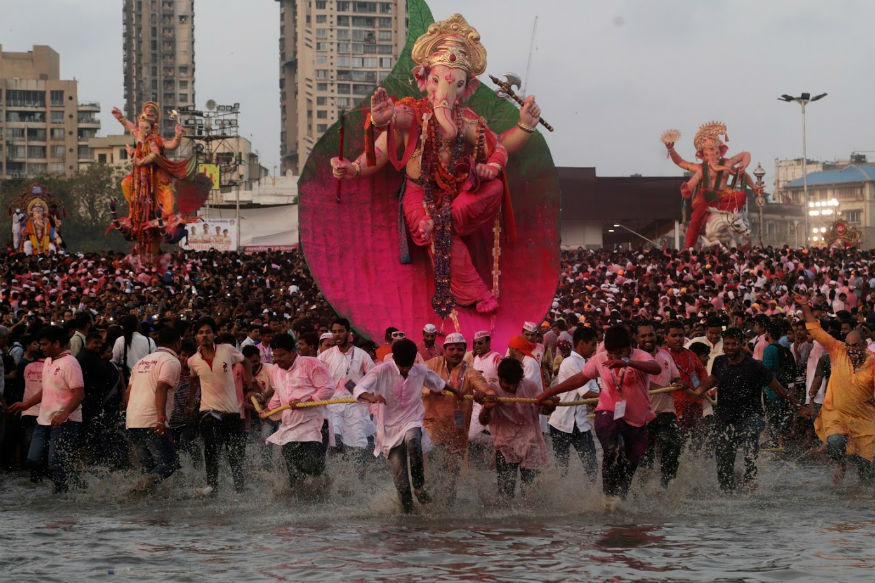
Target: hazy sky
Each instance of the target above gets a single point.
(610, 75)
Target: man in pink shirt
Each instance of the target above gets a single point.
(149, 402)
(516, 430)
(623, 410)
(663, 430)
(298, 379)
(60, 414)
(396, 386)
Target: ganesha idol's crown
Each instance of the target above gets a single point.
(452, 43)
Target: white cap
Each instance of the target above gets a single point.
(326, 336)
(455, 338)
(530, 327)
(481, 334)
(430, 328)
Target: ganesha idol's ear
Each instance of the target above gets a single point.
(470, 88)
(420, 72)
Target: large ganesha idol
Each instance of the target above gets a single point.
(455, 203)
(154, 184)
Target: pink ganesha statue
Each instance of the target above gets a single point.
(453, 163)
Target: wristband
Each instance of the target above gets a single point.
(525, 128)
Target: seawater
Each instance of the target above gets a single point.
(796, 526)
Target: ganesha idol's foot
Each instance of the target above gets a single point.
(487, 305)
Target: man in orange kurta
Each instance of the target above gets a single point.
(446, 418)
(847, 419)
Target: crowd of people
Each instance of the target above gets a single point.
(110, 364)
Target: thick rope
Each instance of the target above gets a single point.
(306, 404)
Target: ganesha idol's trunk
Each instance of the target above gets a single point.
(443, 113)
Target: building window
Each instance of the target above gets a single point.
(322, 73)
(36, 168)
(343, 61)
(57, 117)
(321, 4)
(183, 84)
(183, 18)
(321, 128)
(56, 98)
(384, 35)
(183, 70)
(342, 34)
(322, 33)
(21, 98)
(123, 154)
(101, 158)
(56, 168)
(321, 86)
(386, 62)
(321, 59)
(58, 152)
(321, 18)
(57, 133)
(321, 114)
(854, 217)
(321, 100)
(183, 97)
(342, 20)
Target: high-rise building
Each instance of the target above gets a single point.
(159, 56)
(333, 54)
(43, 127)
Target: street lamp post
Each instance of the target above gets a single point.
(636, 233)
(803, 100)
(760, 198)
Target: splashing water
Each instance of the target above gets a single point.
(796, 526)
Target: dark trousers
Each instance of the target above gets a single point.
(303, 458)
(780, 416)
(583, 444)
(227, 432)
(836, 448)
(185, 439)
(55, 444)
(664, 433)
(408, 454)
(728, 438)
(156, 453)
(622, 448)
(507, 476)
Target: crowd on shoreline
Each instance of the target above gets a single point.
(746, 314)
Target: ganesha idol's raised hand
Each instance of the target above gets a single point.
(451, 159)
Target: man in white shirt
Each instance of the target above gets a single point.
(221, 422)
(296, 379)
(131, 346)
(396, 387)
(149, 400)
(570, 425)
(347, 364)
(60, 413)
(486, 361)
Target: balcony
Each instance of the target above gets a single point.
(89, 106)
